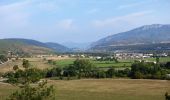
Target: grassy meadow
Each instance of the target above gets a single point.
(102, 89)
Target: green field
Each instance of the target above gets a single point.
(103, 89)
(121, 63)
(63, 63)
(162, 59)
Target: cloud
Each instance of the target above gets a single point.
(48, 6)
(128, 19)
(92, 11)
(13, 15)
(66, 24)
(130, 5)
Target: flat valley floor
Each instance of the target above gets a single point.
(102, 89)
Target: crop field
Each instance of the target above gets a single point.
(121, 63)
(162, 59)
(103, 89)
(62, 63)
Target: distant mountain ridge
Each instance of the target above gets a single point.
(147, 34)
(29, 46)
(57, 47)
(73, 45)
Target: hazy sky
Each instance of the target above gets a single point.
(77, 20)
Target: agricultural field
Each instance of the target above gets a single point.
(161, 59)
(62, 63)
(103, 89)
(121, 63)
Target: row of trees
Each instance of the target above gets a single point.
(85, 69)
(108, 59)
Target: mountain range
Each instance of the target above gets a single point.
(144, 36)
(147, 37)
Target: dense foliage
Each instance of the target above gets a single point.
(144, 70)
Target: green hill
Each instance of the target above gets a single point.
(28, 46)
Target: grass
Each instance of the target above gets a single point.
(103, 89)
(6, 90)
(35, 62)
(65, 62)
(161, 59)
(111, 63)
(121, 63)
(111, 89)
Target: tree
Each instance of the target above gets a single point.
(111, 72)
(157, 60)
(3, 58)
(15, 67)
(167, 97)
(28, 91)
(25, 63)
(138, 75)
(83, 67)
(167, 65)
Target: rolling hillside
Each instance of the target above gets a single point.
(28, 46)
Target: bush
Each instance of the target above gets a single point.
(42, 92)
(167, 97)
(3, 58)
(138, 75)
(110, 73)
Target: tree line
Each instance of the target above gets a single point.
(83, 68)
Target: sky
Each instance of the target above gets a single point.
(78, 21)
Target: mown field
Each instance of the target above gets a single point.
(103, 89)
